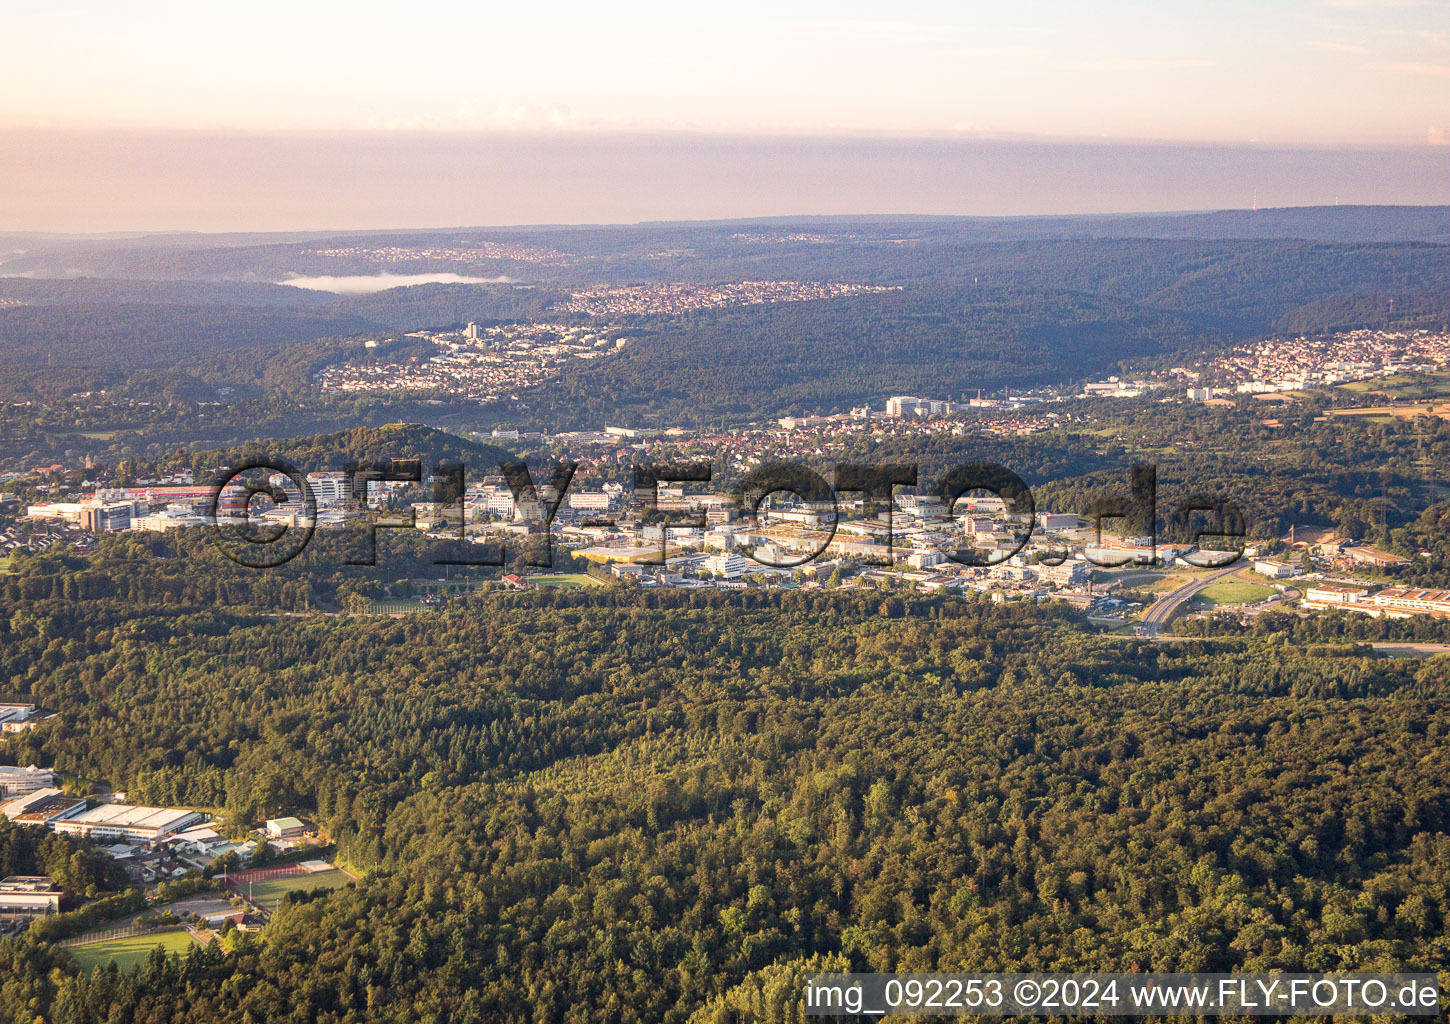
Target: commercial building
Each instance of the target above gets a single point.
(597, 501)
(19, 717)
(44, 807)
(111, 517)
(1398, 602)
(1373, 557)
(797, 422)
(28, 896)
(18, 781)
(94, 516)
(925, 558)
(330, 488)
(284, 828)
(1273, 569)
(898, 406)
(1334, 595)
(728, 565)
(122, 821)
(1072, 573)
(1057, 520)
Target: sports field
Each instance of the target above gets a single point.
(1233, 593)
(131, 951)
(396, 606)
(567, 580)
(271, 890)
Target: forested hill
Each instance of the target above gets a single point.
(360, 445)
(971, 306)
(600, 807)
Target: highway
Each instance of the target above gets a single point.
(1167, 606)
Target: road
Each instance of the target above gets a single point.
(1167, 606)
(1408, 648)
(1389, 648)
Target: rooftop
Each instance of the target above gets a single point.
(126, 816)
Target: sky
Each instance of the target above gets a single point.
(128, 84)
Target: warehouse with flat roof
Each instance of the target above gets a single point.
(122, 821)
(28, 896)
(42, 807)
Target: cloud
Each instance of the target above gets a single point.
(1320, 44)
(1438, 136)
(1415, 68)
(1146, 64)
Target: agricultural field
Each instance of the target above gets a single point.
(1404, 387)
(130, 951)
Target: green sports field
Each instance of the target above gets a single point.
(273, 889)
(129, 952)
(1233, 593)
(567, 580)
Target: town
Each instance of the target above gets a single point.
(482, 364)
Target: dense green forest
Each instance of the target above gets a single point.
(619, 804)
(646, 807)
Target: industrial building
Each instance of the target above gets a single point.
(1071, 573)
(43, 807)
(122, 821)
(29, 896)
(19, 717)
(17, 781)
